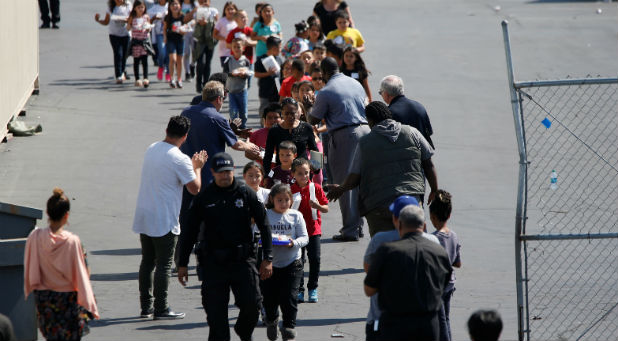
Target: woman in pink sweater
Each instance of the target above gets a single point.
(56, 272)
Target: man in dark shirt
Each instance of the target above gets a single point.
(405, 110)
(221, 216)
(410, 274)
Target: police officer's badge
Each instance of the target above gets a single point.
(239, 203)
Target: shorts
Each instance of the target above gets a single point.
(175, 46)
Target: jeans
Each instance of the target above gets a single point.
(54, 6)
(202, 72)
(162, 57)
(140, 60)
(281, 291)
(157, 255)
(313, 253)
(238, 106)
(120, 46)
(445, 310)
(242, 278)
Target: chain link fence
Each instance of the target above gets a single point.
(567, 215)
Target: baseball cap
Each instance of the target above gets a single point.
(222, 162)
(401, 202)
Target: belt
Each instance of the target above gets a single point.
(347, 126)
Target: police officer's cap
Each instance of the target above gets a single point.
(222, 162)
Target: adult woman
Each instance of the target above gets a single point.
(116, 17)
(55, 270)
(325, 10)
(291, 128)
(223, 27)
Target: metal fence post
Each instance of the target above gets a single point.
(519, 218)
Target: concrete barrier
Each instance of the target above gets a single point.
(19, 57)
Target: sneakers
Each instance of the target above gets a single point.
(146, 314)
(271, 330)
(179, 84)
(169, 315)
(172, 84)
(119, 80)
(313, 295)
(301, 297)
(288, 334)
(160, 73)
(55, 26)
(168, 78)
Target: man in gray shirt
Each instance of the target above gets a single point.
(341, 103)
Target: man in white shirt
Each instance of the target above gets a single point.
(165, 171)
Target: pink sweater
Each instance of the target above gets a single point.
(56, 262)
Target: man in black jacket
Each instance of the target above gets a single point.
(227, 250)
(405, 110)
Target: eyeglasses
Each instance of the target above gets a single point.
(380, 92)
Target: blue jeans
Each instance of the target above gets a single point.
(238, 106)
(444, 312)
(120, 46)
(162, 57)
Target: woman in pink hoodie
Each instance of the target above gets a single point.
(56, 272)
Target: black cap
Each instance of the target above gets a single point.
(222, 162)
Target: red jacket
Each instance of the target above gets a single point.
(314, 227)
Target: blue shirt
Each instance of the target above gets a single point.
(209, 131)
(341, 102)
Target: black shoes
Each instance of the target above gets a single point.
(169, 315)
(146, 314)
(342, 238)
(55, 26)
(45, 25)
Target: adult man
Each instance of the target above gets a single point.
(227, 251)
(371, 329)
(166, 170)
(405, 110)
(341, 102)
(392, 160)
(410, 275)
(45, 6)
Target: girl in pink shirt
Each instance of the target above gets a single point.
(55, 271)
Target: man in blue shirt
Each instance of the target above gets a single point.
(341, 103)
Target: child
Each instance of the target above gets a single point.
(157, 13)
(313, 203)
(297, 44)
(286, 70)
(315, 32)
(267, 79)
(334, 50)
(283, 172)
(237, 68)
(173, 32)
(319, 52)
(307, 58)
(243, 32)
(354, 66)
(188, 6)
(223, 27)
(258, 8)
(267, 26)
(270, 116)
(485, 325)
(139, 25)
(295, 94)
(439, 212)
(253, 173)
(281, 289)
(316, 76)
(344, 34)
(298, 74)
(116, 17)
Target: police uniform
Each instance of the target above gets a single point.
(222, 219)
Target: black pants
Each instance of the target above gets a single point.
(120, 46)
(202, 70)
(370, 333)
(281, 291)
(410, 327)
(242, 279)
(313, 253)
(54, 6)
(144, 61)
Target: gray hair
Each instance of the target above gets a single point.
(212, 90)
(392, 85)
(412, 216)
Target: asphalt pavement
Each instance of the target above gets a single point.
(450, 55)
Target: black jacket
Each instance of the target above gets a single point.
(412, 113)
(226, 216)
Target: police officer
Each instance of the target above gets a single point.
(223, 212)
